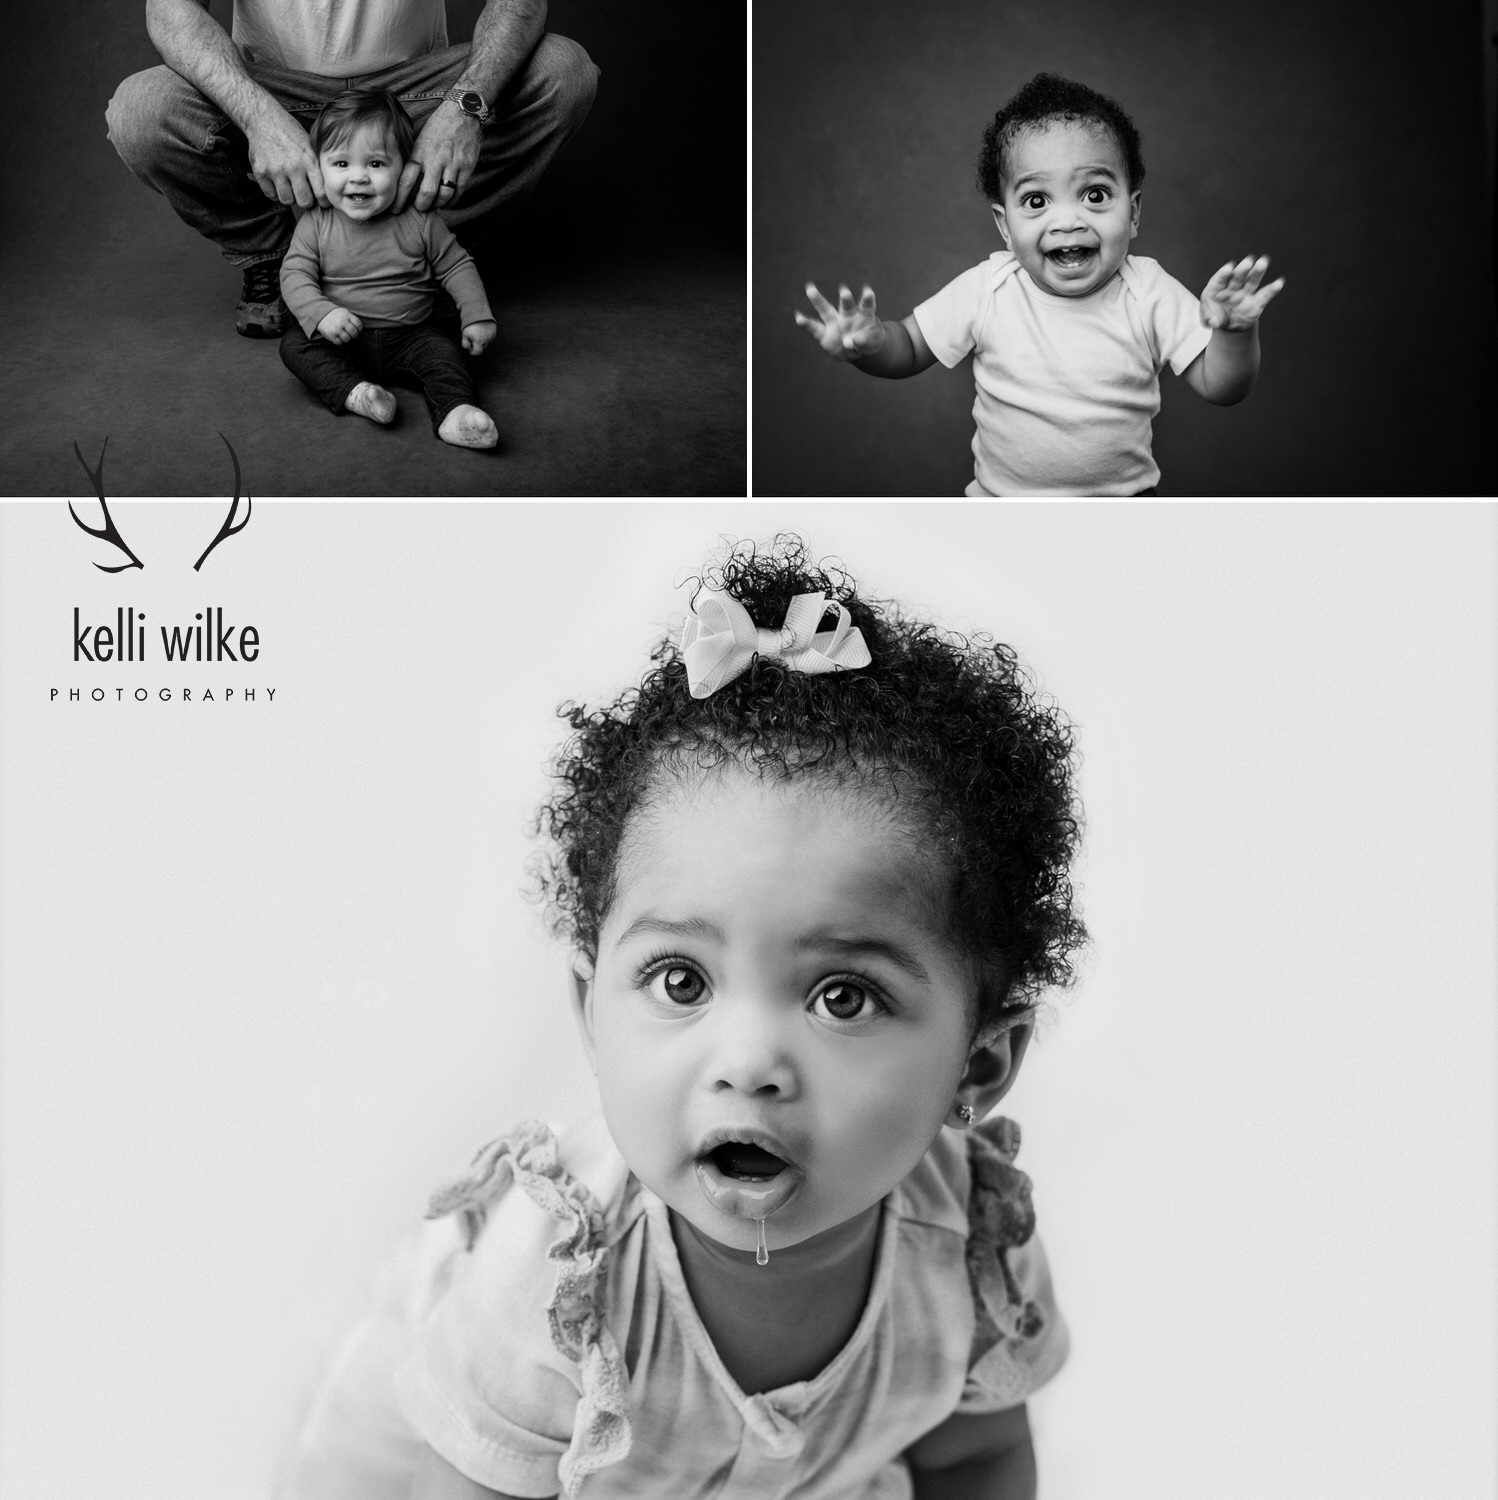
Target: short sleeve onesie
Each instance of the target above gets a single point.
(1066, 386)
(541, 1337)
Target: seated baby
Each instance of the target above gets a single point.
(361, 281)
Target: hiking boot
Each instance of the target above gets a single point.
(261, 313)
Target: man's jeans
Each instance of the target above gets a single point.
(186, 148)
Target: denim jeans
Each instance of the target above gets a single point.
(423, 354)
(185, 148)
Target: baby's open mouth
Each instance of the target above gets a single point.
(745, 1175)
(745, 1162)
(1071, 255)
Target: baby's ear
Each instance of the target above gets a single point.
(582, 1002)
(1001, 223)
(992, 1067)
(1134, 203)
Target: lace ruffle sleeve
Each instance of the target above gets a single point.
(518, 1381)
(1019, 1338)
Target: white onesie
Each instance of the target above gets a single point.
(1067, 386)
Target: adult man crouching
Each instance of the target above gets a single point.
(221, 130)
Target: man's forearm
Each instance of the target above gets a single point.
(193, 44)
(504, 36)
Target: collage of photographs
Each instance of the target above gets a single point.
(604, 893)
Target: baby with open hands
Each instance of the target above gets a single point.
(1068, 330)
(813, 870)
(1233, 299)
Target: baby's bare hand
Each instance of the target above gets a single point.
(478, 336)
(1234, 300)
(340, 325)
(850, 330)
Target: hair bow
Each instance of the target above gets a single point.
(719, 640)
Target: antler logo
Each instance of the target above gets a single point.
(110, 533)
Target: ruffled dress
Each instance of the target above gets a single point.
(540, 1336)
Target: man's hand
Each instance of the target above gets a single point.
(340, 325)
(851, 330)
(1234, 300)
(282, 160)
(194, 45)
(478, 336)
(446, 151)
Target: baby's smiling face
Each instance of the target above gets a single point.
(360, 175)
(778, 1024)
(1067, 212)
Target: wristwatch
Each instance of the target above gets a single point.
(470, 101)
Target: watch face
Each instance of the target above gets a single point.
(471, 103)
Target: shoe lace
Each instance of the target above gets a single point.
(262, 281)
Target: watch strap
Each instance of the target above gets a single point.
(463, 99)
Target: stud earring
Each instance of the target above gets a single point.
(965, 1114)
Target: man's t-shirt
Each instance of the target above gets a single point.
(338, 38)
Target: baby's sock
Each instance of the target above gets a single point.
(372, 401)
(468, 427)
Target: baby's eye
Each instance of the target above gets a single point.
(1097, 195)
(843, 1000)
(1033, 201)
(676, 984)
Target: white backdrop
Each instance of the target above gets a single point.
(266, 975)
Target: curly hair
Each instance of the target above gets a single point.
(1049, 97)
(947, 730)
(341, 118)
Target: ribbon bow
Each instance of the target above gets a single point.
(719, 640)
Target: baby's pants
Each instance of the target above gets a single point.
(423, 354)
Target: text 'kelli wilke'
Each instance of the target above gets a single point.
(211, 640)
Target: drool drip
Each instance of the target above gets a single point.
(762, 1254)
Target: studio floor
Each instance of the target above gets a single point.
(609, 375)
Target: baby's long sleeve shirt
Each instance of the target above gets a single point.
(385, 270)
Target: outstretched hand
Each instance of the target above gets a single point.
(851, 330)
(1234, 300)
